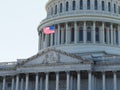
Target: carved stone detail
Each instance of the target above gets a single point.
(51, 57)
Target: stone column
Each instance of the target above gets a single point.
(62, 35)
(103, 81)
(51, 39)
(114, 32)
(93, 84)
(4, 82)
(66, 38)
(13, 82)
(107, 36)
(27, 82)
(89, 80)
(71, 82)
(118, 35)
(111, 28)
(41, 83)
(75, 32)
(93, 33)
(47, 82)
(42, 46)
(46, 41)
(68, 80)
(78, 81)
(17, 82)
(115, 80)
(57, 81)
(84, 32)
(21, 88)
(55, 37)
(36, 81)
(39, 44)
(58, 34)
(102, 36)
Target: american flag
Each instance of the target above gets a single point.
(49, 30)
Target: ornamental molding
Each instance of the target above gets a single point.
(53, 57)
(63, 19)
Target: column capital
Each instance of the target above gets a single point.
(103, 71)
(67, 71)
(114, 71)
(78, 71)
(36, 73)
(47, 72)
(57, 72)
(89, 71)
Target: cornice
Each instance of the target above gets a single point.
(52, 49)
(72, 18)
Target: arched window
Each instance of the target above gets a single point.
(103, 5)
(73, 5)
(55, 9)
(96, 5)
(81, 4)
(81, 34)
(88, 4)
(97, 34)
(109, 8)
(61, 7)
(67, 6)
(114, 8)
(51, 10)
(72, 35)
(89, 34)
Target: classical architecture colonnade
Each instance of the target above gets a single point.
(82, 32)
(17, 82)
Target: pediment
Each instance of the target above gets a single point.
(51, 56)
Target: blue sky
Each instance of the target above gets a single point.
(19, 20)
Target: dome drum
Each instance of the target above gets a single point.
(67, 7)
(82, 32)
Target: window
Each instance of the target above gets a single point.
(103, 5)
(114, 8)
(96, 5)
(55, 9)
(81, 4)
(60, 7)
(73, 5)
(88, 34)
(109, 8)
(81, 34)
(88, 4)
(72, 35)
(67, 6)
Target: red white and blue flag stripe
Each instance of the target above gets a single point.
(49, 30)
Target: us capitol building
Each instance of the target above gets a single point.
(82, 54)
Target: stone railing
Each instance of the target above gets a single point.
(7, 63)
